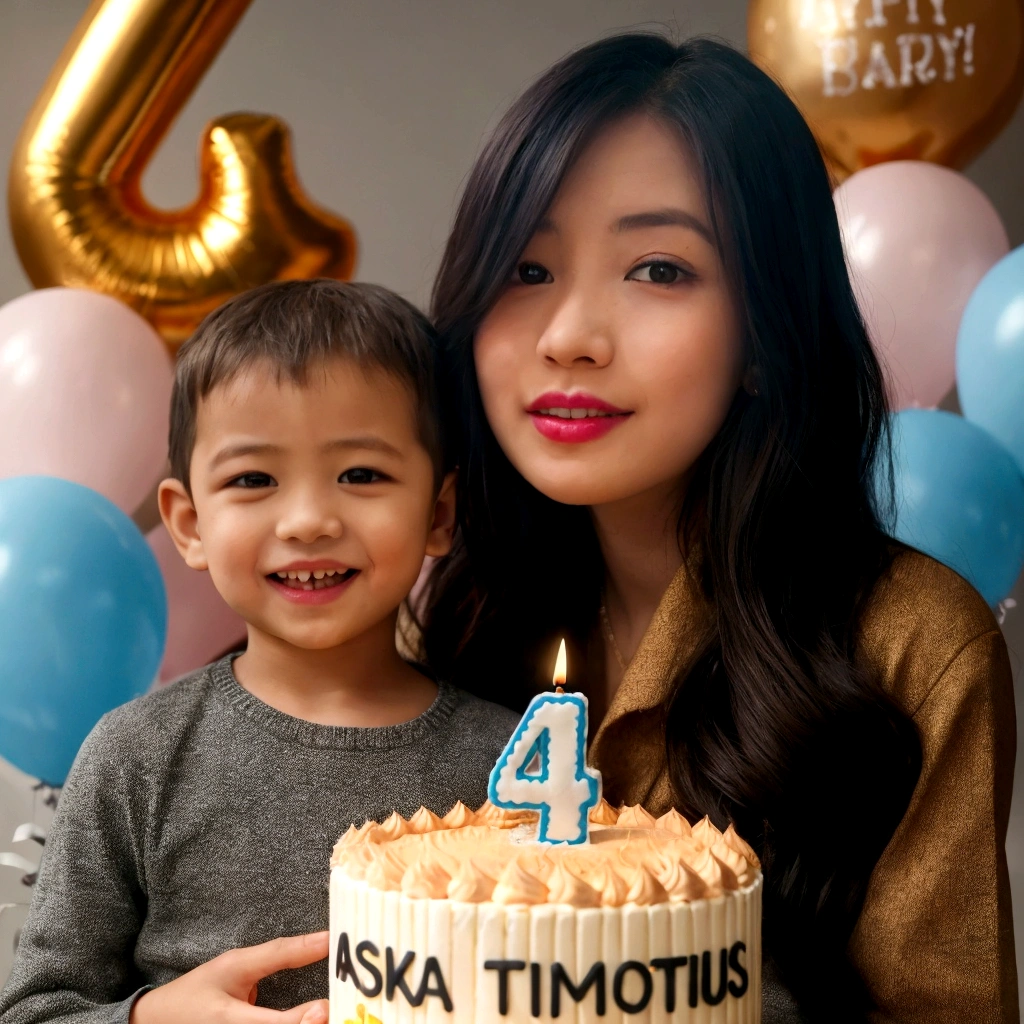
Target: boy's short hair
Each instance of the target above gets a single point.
(293, 325)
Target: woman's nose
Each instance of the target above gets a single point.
(308, 517)
(576, 335)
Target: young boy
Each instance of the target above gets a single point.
(309, 479)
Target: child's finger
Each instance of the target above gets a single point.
(240, 969)
(315, 1012)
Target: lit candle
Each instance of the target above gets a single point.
(544, 765)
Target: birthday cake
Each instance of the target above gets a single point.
(468, 918)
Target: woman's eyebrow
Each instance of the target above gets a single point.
(668, 217)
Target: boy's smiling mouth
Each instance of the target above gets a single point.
(318, 579)
(302, 578)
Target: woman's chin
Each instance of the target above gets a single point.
(581, 488)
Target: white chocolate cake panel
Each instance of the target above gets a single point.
(452, 942)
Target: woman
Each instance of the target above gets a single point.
(672, 425)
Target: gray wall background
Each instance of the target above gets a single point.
(389, 101)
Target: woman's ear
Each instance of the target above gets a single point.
(179, 516)
(442, 526)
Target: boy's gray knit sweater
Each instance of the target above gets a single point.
(197, 819)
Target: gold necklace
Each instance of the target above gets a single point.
(609, 637)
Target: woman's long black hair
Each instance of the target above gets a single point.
(778, 725)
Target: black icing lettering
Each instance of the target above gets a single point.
(503, 967)
(705, 977)
(694, 980)
(669, 965)
(432, 970)
(559, 977)
(646, 981)
(396, 975)
(343, 968)
(738, 988)
(361, 950)
(534, 990)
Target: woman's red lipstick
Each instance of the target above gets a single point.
(575, 418)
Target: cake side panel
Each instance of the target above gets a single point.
(335, 915)
(735, 924)
(490, 948)
(590, 951)
(517, 950)
(659, 921)
(611, 941)
(755, 960)
(419, 961)
(438, 938)
(630, 981)
(714, 967)
(464, 955)
(371, 913)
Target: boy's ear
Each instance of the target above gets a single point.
(179, 516)
(442, 526)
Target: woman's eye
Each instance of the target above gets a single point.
(360, 475)
(657, 272)
(252, 480)
(533, 273)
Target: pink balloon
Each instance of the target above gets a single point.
(85, 388)
(200, 626)
(918, 238)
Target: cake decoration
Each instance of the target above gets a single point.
(544, 766)
(362, 1017)
(651, 920)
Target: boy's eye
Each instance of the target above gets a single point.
(532, 273)
(251, 480)
(659, 272)
(360, 475)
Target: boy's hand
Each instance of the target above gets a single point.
(223, 990)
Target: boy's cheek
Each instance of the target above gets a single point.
(398, 540)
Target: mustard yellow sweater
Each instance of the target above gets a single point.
(934, 941)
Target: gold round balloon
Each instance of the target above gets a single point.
(885, 80)
(76, 206)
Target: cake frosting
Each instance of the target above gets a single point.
(467, 918)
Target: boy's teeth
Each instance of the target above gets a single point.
(313, 579)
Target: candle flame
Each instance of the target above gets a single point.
(558, 679)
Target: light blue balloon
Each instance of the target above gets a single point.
(959, 498)
(83, 619)
(990, 354)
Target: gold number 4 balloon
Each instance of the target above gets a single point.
(885, 80)
(76, 206)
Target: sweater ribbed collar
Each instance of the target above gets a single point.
(337, 737)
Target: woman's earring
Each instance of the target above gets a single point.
(750, 382)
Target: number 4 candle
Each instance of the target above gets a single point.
(544, 765)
